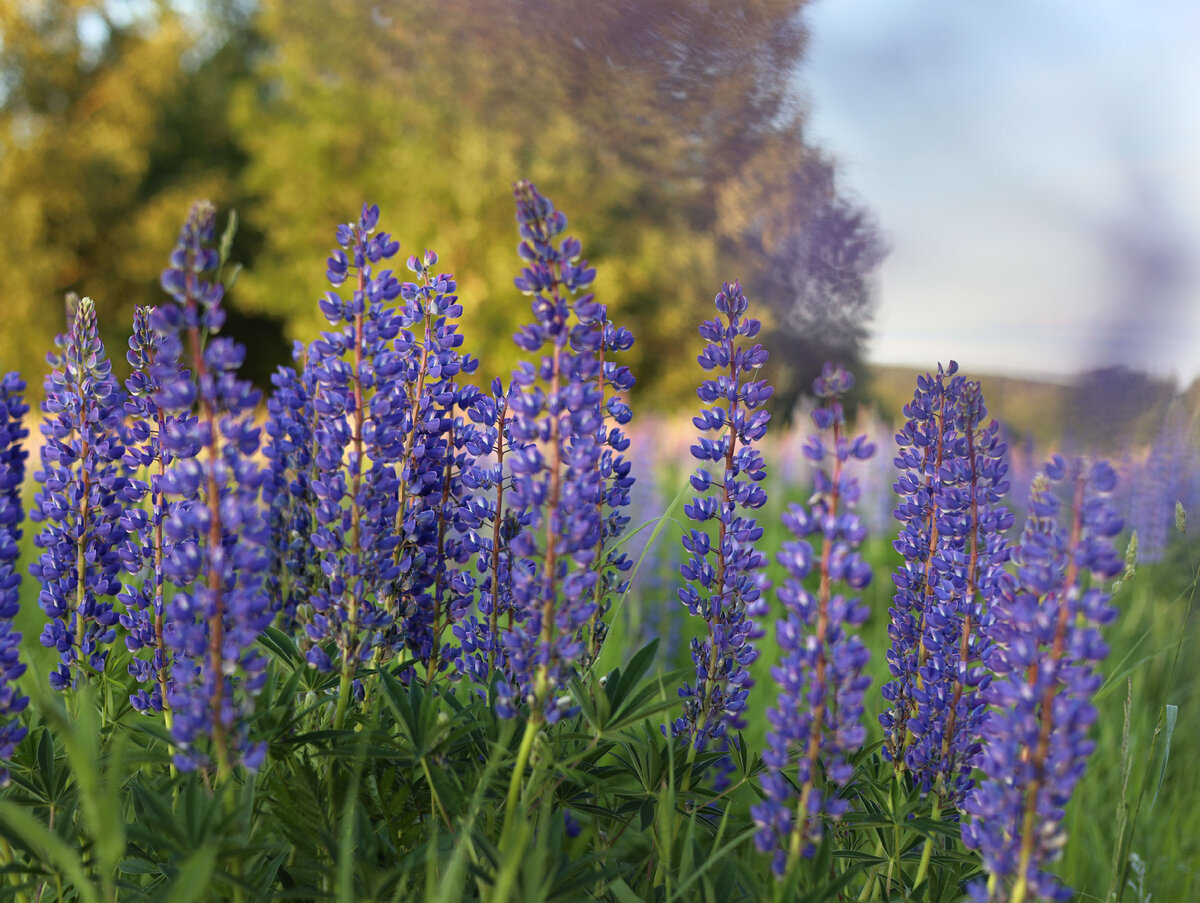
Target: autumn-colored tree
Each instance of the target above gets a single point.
(670, 131)
(110, 125)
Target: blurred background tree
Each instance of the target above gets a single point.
(671, 132)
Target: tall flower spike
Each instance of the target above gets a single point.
(147, 547)
(969, 565)
(926, 442)
(555, 407)
(820, 677)
(723, 584)
(490, 524)
(1045, 648)
(435, 587)
(352, 369)
(616, 480)
(12, 475)
(79, 503)
(218, 558)
(288, 488)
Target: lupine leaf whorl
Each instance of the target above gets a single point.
(222, 605)
(821, 681)
(555, 420)
(723, 576)
(147, 546)
(12, 475)
(926, 442)
(79, 503)
(1045, 647)
(352, 369)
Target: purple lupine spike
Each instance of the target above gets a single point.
(434, 586)
(967, 576)
(357, 421)
(723, 577)
(555, 419)
(488, 529)
(147, 547)
(12, 475)
(83, 488)
(821, 680)
(928, 440)
(217, 527)
(973, 513)
(288, 487)
(616, 480)
(1045, 646)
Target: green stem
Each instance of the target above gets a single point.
(927, 853)
(514, 785)
(339, 714)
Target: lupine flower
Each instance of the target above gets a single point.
(927, 442)
(555, 407)
(969, 575)
(616, 482)
(723, 584)
(435, 589)
(12, 475)
(147, 547)
(820, 705)
(490, 526)
(222, 606)
(288, 487)
(79, 504)
(356, 436)
(1045, 647)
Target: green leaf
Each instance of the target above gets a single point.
(623, 892)
(194, 878)
(1168, 730)
(49, 847)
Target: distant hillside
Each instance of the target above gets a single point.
(1105, 410)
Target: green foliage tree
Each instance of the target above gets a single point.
(671, 129)
(109, 126)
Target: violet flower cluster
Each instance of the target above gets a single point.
(723, 583)
(147, 546)
(218, 529)
(435, 587)
(1045, 645)
(555, 464)
(970, 576)
(12, 475)
(489, 526)
(820, 676)
(927, 444)
(617, 482)
(350, 374)
(80, 501)
(288, 491)
(963, 576)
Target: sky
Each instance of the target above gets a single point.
(1035, 167)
